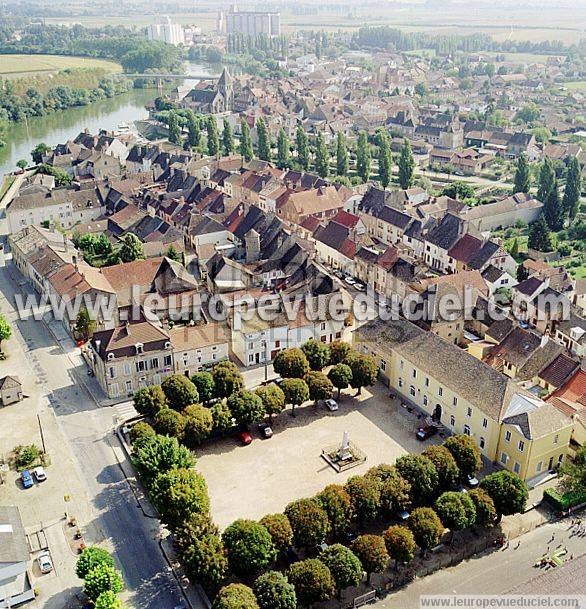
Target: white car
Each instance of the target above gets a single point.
(39, 474)
(349, 280)
(45, 562)
(331, 405)
(360, 286)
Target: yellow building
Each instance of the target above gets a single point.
(468, 397)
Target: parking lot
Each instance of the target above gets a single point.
(263, 477)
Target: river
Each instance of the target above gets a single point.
(59, 127)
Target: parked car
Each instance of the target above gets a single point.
(403, 515)
(245, 438)
(331, 405)
(39, 474)
(360, 286)
(424, 433)
(349, 280)
(265, 430)
(26, 478)
(45, 563)
(472, 481)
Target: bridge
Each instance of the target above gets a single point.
(172, 76)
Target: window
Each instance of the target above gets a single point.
(277, 344)
(467, 429)
(251, 345)
(452, 421)
(128, 386)
(521, 445)
(154, 363)
(401, 364)
(485, 423)
(455, 402)
(412, 390)
(167, 360)
(140, 366)
(440, 391)
(468, 411)
(539, 467)
(560, 458)
(400, 382)
(251, 358)
(414, 373)
(427, 381)
(156, 379)
(425, 400)
(383, 364)
(114, 391)
(504, 458)
(556, 439)
(127, 369)
(508, 436)
(112, 372)
(517, 467)
(481, 442)
(323, 325)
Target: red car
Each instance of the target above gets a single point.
(245, 438)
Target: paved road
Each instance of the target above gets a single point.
(497, 572)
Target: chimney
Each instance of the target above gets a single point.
(127, 328)
(544, 339)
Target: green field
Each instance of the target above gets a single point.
(577, 85)
(23, 65)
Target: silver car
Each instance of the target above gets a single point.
(331, 405)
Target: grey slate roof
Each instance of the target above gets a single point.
(13, 544)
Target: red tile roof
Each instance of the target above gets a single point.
(346, 219)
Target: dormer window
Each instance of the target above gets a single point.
(110, 357)
(167, 345)
(139, 348)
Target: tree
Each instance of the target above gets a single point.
(227, 138)
(199, 423)
(39, 151)
(174, 129)
(364, 370)
(344, 565)
(169, 422)
(283, 150)
(22, 164)
(385, 159)
(539, 236)
(221, 416)
(131, 249)
(149, 400)
(178, 494)
(456, 510)
(372, 553)
(84, 324)
(426, 527)
(336, 503)
(363, 157)
(508, 492)
(245, 142)
(486, 515)
(141, 431)
(179, 391)
(92, 557)
(400, 544)
(421, 474)
(573, 190)
(395, 493)
(340, 376)
(279, 529)
(309, 522)
(364, 493)
(227, 379)
(553, 209)
(317, 353)
(522, 174)
(420, 89)
(264, 141)
(573, 473)
(250, 547)
(102, 578)
(205, 385)
(158, 455)
(302, 145)
(235, 596)
(246, 407)
(273, 591)
(406, 166)
(108, 600)
(312, 580)
(319, 385)
(322, 157)
(291, 363)
(546, 179)
(272, 397)
(295, 391)
(212, 136)
(173, 254)
(194, 130)
(342, 156)
(339, 351)
(514, 251)
(465, 452)
(447, 469)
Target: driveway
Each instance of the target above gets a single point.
(251, 481)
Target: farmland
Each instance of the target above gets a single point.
(14, 66)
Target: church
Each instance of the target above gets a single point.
(212, 99)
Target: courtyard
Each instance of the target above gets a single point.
(263, 477)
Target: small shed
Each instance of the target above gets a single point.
(10, 390)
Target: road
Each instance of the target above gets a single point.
(114, 515)
(497, 572)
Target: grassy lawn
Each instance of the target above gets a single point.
(577, 85)
(18, 65)
(6, 184)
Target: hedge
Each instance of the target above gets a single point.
(563, 501)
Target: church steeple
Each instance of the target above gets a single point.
(226, 88)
